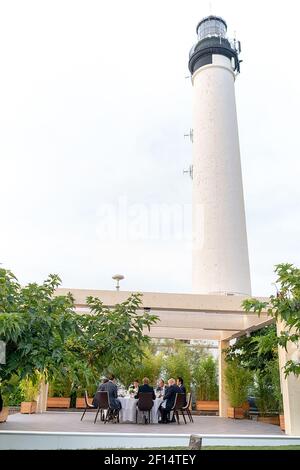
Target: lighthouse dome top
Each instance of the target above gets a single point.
(212, 40)
(211, 26)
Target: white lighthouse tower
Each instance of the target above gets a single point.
(220, 250)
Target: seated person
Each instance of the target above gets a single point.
(161, 387)
(110, 386)
(135, 385)
(181, 386)
(145, 388)
(100, 388)
(169, 400)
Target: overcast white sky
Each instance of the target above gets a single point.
(94, 105)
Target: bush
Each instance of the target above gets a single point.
(178, 364)
(267, 388)
(60, 385)
(238, 380)
(29, 389)
(11, 391)
(205, 378)
(148, 366)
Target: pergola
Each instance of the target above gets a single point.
(185, 316)
(204, 317)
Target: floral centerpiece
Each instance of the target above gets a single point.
(131, 390)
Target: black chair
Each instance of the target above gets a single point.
(145, 403)
(187, 407)
(88, 406)
(108, 413)
(179, 404)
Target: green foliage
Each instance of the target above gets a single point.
(178, 364)
(34, 323)
(205, 377)
(110, 335)
(283, 307)
(29, 389)
(267, 388)
(61, 384)
(45, 335)
(149, 365)
(237, 383)
(11, 392)
(273, 371)
(256, 351)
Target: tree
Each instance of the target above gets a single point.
(109, 337)
(46, 337)
(35, 325)
(255, 351)
(283, 307)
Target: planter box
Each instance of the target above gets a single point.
(207, 405)
(80, 403)
(235, 413)
(28, 407)
(4, 414)
(269, 419)
(58, 402)
(281, 422)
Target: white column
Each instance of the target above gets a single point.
(223, 399)
(220, 249)
(42, 398)
(290, 387)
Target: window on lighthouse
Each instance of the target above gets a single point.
(212, 28)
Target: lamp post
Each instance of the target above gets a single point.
(118, 278)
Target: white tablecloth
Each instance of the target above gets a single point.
(127, 413)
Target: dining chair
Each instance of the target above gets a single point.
(88, 405)
(187, 407)
(179, 404)
(144, 404)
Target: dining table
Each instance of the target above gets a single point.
(128, 410)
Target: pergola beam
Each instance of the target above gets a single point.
(184, 316)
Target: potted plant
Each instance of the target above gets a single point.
(59, 392)
(30, 390)
(237, 382)
(268, 393)
(206, 385)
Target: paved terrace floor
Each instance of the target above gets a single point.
(52, 421)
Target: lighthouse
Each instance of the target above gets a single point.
(220, 248)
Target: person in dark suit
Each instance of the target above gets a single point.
(169, 400)
(109, 386)
(179, 382)
(181, 386)
(145, 388)
(112, 390)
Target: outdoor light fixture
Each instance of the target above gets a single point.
(118, 278)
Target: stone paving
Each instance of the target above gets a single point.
(70, 422)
